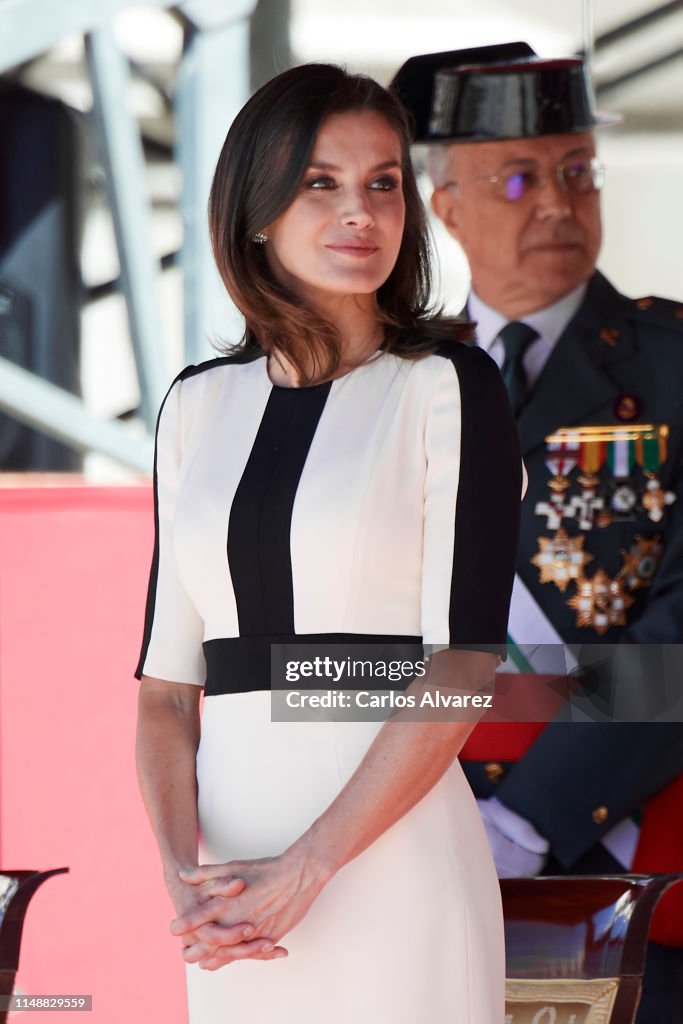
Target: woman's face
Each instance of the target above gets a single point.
(342, 233)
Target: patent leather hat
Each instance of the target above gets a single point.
(496, 92)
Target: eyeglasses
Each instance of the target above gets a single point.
(580, 176)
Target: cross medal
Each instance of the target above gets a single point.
(651, 452)
(585, 505)
(560, 459)
(591, 458)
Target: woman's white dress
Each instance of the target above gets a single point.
(380, 507)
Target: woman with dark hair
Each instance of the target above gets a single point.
(348, 474)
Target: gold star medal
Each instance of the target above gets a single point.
(640, 562)
(601, 602)
(561, 559)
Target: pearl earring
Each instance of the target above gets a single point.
(259, 238)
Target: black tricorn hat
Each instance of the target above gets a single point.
(496, 92)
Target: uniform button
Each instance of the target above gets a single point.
(627, 408)
(610, 335)
(600, 815)
(494, 771)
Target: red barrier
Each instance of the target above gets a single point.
(73, 573)
(73, 569)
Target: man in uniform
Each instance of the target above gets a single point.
(594, 379)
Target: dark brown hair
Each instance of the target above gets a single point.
(259, 172)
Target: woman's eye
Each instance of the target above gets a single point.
(322, 181)
(385, 184)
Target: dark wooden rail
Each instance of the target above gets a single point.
(16, 890)
(576, 946)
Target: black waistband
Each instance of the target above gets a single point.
(245, 663)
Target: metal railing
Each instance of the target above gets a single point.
(211, 86)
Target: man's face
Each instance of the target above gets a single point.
(524, 253)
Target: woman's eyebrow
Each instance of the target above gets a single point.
(385, 166)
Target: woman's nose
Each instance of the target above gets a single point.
(356, 210)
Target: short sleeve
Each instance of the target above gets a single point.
(174, 630)
(472, 498)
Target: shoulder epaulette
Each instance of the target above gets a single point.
(655, 310)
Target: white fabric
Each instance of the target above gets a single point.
(549, 322)
(544, 649)
(440, 489)
(519, 851)
(412, 929)
(179, 659)
(516, 828)
(407, 932)
(346, 574)
(621, 841)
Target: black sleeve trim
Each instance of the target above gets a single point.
(487, 514)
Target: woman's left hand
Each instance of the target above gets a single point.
(278, 893)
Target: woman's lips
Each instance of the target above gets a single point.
(361, 250)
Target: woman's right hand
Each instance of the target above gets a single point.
(211, 935)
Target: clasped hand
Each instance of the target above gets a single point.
(241, 909)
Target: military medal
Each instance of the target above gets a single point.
(621, 460)
(592, 454)
(555, 509)
(587, 503)
(589, 451)
(655, 499)
(640, 562)
(601, 602)
(624, 499)
(561, 559)
(651, 451)
(561, 456)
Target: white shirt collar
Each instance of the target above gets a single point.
(549, 322)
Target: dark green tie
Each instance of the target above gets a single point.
(516, 338)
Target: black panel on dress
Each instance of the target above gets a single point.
(244, 663)
(259, 553)
(487, 512)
